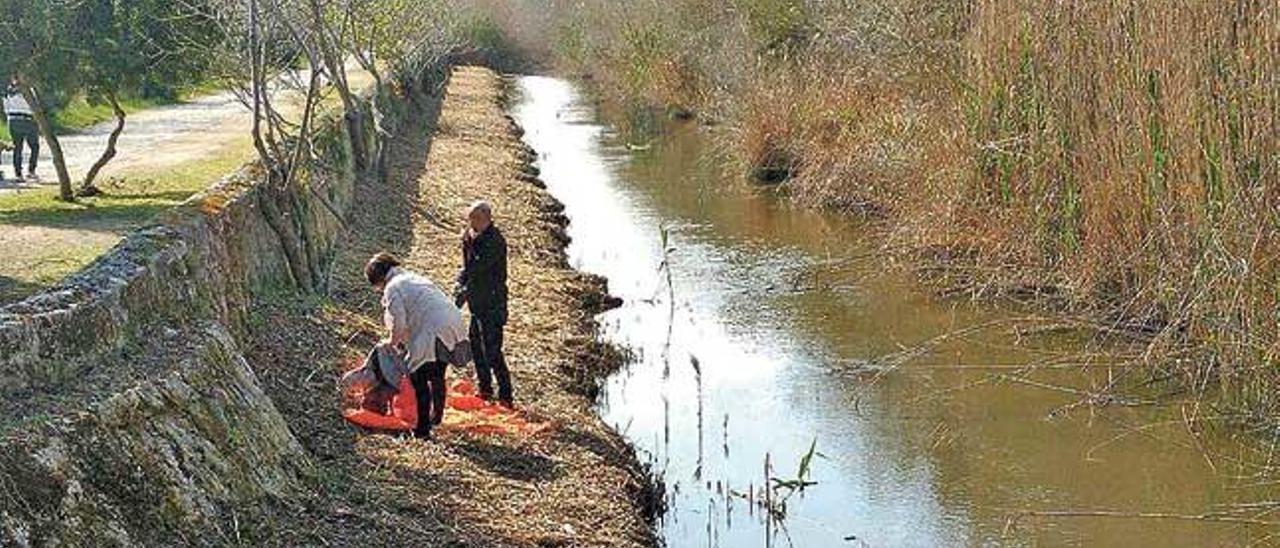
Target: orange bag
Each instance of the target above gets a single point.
(404, 411)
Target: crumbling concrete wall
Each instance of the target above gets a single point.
(130, 416)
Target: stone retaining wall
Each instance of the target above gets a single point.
(168, 459)
(202, 260)
(131, 417)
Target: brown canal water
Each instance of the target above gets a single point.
(768, 338)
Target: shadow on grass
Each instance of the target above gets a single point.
(110, 213)
(300, 345)
(592, 442)
(508, 462)
(381, 224)
(14, 290)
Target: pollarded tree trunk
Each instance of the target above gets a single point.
(359, 139)
(329, 53)
(87, 188)
(310, 247)
(269, 194)
(51, 140)
(270, 197)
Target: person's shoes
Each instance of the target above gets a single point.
(486, 396)
(508, 403)
(424, 435)
(33, 178)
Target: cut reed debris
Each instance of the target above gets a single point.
(577, 484)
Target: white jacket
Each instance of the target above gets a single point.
(413, 303)
(16, 104)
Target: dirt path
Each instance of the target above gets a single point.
(156, 138)
(164, 155)
(153, 139)
(577, 484)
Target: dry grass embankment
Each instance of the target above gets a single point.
(1120, 158)
(576, 485)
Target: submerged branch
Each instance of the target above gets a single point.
(1216, 518)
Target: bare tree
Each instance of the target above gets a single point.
(98, 51)
(400, 39)
(272, 53)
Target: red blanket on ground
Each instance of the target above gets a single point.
(464, 412)
(403, 407)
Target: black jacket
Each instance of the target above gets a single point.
(483, 280)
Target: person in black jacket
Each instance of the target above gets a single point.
(482, 285)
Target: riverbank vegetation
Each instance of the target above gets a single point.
(1118, 161)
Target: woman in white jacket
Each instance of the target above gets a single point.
(424, 322)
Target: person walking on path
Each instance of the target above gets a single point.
(22, 127)
(422, 322)
(482, 285)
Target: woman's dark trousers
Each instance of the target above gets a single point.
(428, 384)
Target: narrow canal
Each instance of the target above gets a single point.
(761, 331)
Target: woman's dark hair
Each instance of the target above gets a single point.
(378, 267)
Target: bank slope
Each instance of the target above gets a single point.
(578, 485)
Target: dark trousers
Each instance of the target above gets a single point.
(486, 349)
(24, 131)
(428, 384)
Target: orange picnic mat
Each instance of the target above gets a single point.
(466, 412)
(403, 417)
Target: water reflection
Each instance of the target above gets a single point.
(749, 352)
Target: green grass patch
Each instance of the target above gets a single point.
(131, 198)
(37, 272)
(46, 240)
(80, 114)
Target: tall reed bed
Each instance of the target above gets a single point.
(1131, 152)
(1122, 155)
